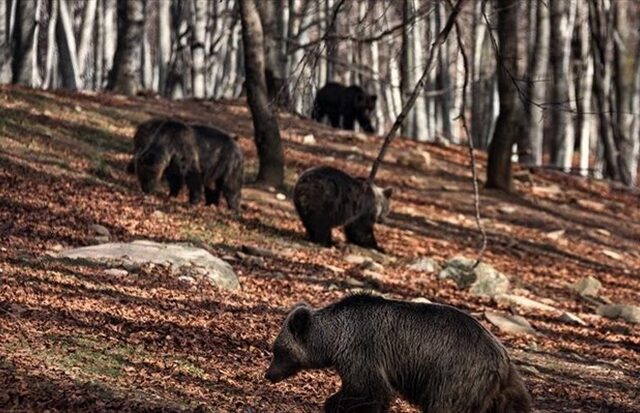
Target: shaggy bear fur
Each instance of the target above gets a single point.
(327, 197)
(434, 356)
(199, 156)
(344, 105)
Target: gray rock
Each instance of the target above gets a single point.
(352, 282)
(571, 318)
(588, 286)
(187, 279)
(100, 239)
(373, 266)
(421, 300)
(217, 271)
(629, 313)
(257, 251)
(100, 230)
(116, 272)
(506, 209)
(355, 259)
(418, 160)
(524, 302)
(424, 264)
(482, 280)
(308, 139)
(508, 323)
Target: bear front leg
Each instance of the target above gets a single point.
(365, 123)
(175, 178)
(212, 196)
(360, 232)
(349, 121)
(319, 234)
(194, 183)
(353, 402)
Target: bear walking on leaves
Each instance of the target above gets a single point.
(434, 356)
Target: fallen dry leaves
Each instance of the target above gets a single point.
(77, 338)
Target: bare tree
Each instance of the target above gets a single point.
(584, 87)
(271, 16)
(537, 65)
(408, 64)
(125, 74)
(25, 42)
(499, 162)
(5, 42)
(265, 125)
(164, 44)
(86, 35)
(198, 28)
(66, 41)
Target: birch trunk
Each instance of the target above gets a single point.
(408, 65)
(5, 42)
(67, 58)
(51, 44)
(110, 36)
(86, 34)
(585, 86)
(25, 43)
(198, 28)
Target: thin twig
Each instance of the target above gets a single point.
(439, 40)
(472, 154)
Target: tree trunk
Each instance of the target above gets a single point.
(25, 68)
(198, 28)
(408, 65)
(499, 162)
(584, 80)
(110, 36)
(271, 13)
(125, 75)
(98, 47)
(634, 133)
(5, 42)
(599, 18)
(68, 63)
(537, 65)
(86, 34)
(265, 125)
(51, 44)
(164, 45)
(558, 58)
(478, 90)
(331, 43)
(443, 79)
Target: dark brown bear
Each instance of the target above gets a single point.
(327, 197)
(201, 157)
(434, 356)
(344, 105)
(142, 138)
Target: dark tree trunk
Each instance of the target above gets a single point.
(5, 42)
(271, 16)
(265, 125)
(499, 163)
(26, 25)
(125, 74)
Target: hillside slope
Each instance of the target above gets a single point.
(74, 337)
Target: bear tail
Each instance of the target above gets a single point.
(513, 396)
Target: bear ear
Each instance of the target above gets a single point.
(387, 192)
(299, 320)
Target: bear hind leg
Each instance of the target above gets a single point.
(361, 234)
(318, 233)
(175, 179)
(352, 402)
(194, 183)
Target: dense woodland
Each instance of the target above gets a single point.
(564, 74)
(487, 202)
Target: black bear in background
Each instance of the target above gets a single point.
(196, 155)
(326, 197)
(344, 105)
(142, 138)
(435, 356)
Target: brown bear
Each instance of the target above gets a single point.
(202, 157)
(436, 357)
(326, 197)
(344, 105)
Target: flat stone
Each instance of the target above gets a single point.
(571, 318)
(593, 205)
(421, 300)
(116, 272)
(280, 196)
(555, 235)
(509, 323)
(171, 255)
(334, 269)
(187, 279)
(355, 259)
(524, 302)
(481, 280)
(419, 160)
(100, 239)
(629, 313)
(613, 255)
(100, 230)
(507, 209)
(308, 139)
(372, 266)
(587, 286)
(424, 264)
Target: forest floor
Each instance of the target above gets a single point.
(81, 338)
